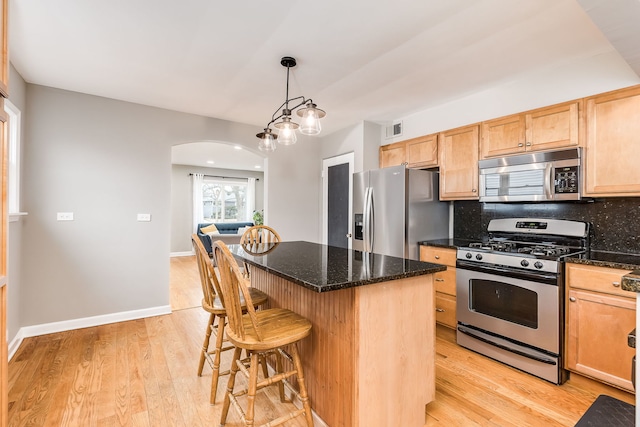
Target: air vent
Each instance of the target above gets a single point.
(394, 130)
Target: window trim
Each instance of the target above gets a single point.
(14, 125)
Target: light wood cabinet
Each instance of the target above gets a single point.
(393, 154)
(612, 144)
(445, 283)
(458, 150)
(542, 129)
(600, 315)
(421, 152)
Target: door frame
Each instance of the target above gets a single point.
(326, 164)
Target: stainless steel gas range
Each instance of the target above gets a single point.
(510, 292)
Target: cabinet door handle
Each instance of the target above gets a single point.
(520, 144)
(528, 144)
(440, 310)
(474, 190)
(616, 284)
(572, 299)
(437, 257)
(438, 279)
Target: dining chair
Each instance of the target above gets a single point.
(257, 240)
(212, 303)
(260, 333)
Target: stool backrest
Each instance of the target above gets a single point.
(232, 284)
(259, 234)
(208, 277)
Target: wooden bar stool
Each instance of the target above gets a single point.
(212, 304)
(259, 333)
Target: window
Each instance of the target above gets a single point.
(13, 164)
(224, 201)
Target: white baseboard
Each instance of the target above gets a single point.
(176, 254)
(86, 322)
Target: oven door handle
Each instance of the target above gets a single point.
(538, 358)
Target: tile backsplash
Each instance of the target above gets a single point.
(615, 221)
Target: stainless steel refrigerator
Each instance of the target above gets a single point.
(395, 208)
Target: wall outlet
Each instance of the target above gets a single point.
(144, 217)
(65, 216)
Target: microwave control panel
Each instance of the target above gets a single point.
(566, 180)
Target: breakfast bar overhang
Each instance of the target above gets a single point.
(370, 359)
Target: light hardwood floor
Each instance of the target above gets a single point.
(143, 373)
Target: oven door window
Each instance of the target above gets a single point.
(504, 301)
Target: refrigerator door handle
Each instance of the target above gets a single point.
(366, 226)
(372, 221)
(365, 220)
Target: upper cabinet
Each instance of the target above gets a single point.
(421, 152)
(459, 163)
(542, 129)
(613, 144)
(4, 61)
(393, 154)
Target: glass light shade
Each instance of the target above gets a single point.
(267, 140)
(287, 131)
(310, 119)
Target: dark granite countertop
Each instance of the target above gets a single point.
(323, 268)
(607, 259)
(448, 243)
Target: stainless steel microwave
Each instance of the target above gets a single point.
(532, 177)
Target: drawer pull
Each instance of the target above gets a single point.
(437, 257)
(572, 299)
(440, 310)
(438, 279)
(616, 284)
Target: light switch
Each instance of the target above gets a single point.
(144, 217)
(65, 216)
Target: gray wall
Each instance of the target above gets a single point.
(105, 161)
(181, 200)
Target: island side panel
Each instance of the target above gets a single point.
(328, 355)
(396, 355)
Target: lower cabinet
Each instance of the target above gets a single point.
(445, 283)
(600, 315)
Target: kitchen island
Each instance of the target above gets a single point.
(370, 359)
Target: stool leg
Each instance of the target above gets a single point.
(216, 360)
(303, 388)
(252, 389)
(205, 345)
(263, 362)
(230, 385)
(279, 370)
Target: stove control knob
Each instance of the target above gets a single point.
(468, 255)
(524, 263)
(478, 257)
(538, 264)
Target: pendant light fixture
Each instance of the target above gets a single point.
(286, 135)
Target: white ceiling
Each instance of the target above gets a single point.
(374, 60)
(216, 155)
